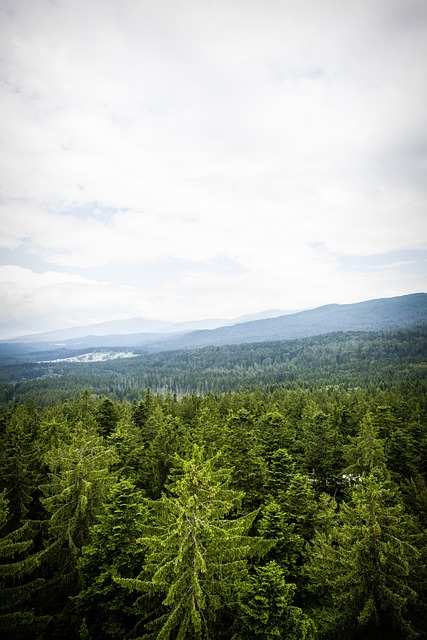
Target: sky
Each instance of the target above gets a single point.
(189, 159)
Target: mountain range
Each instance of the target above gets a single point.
(138, 326)
(371, 315)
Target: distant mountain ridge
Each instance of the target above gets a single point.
(372, 315)
(136, 326)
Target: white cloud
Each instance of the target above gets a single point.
(43, 301)
(279, 135)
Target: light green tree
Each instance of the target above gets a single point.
(196, 552)
(265, 608)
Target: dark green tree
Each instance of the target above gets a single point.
(79, 479)
(209, 430)
(128, 443)
(19, 585)
(365, 452)
(280, 470)
(275, 524)
(322, 444)
(143, 410)
(171, 438)
(362, 568)
(243, 452)
(107, 416)
(104, 606)
(274, 431)
(19, 464)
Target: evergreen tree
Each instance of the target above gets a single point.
(82, 410)
(104, 605)
(322, 445)
(243, 452)
(171, 438)
(276, 525)
(19, 473)
(361, 568)
(299, 504)
(107, 416)
(275, 432)
(147, 416)
(129, 445)
(365, 451)
(19, 587)
(79, 479)
(209, 431)
(196, 554)
(280, 470)
(265, 609)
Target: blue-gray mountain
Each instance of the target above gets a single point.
(372, 315)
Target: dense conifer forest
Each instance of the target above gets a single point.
(273, 490)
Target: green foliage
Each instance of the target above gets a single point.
(243, 452)
(106, 417)
(104, 606)
(365, 452)
(128, 443)
(265, 609)
(275, 524)
(350, 360)
(280, 471)
(361, 567)
(18, 461)
(170, 439)
(78, 482)
(196, 554)
(115, 526)
(18, 584)
(322, 445)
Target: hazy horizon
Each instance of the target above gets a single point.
(133, 325)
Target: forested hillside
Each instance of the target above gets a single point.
(376, 359)
(272, 490)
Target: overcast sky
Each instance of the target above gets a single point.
(188, 159)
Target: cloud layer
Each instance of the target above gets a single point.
(280, 137)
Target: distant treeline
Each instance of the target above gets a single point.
(348, 360)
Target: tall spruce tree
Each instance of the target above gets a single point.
(104, 606)
(196, 553)
(265, 610)
(19, 472)
(361, 568)
(79, 478)
(106, 415)
(322, 443)
(19, 585)
(244, 455)
(365, 451)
